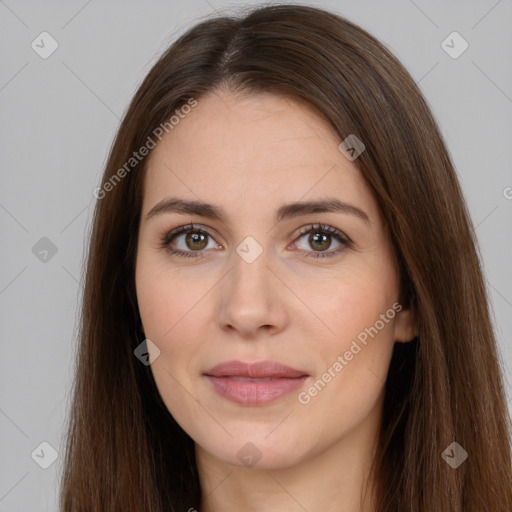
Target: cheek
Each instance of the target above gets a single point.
(363, 326)
(350, 301)
(353, 358)
(167, 301)
(171, 314)
(172, 318)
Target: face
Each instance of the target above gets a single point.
(308, 291)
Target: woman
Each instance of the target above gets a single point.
(284, 307)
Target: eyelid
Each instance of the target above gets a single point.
(167, 237)
(344, 241)
(340, 236)
(326, 228)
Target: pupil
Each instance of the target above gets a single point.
(318, 238)
(197, 240)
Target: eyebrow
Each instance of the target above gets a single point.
(286, 211)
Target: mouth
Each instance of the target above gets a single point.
(253, 384)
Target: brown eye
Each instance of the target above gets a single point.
(319, 242)
(196, 241)
(320, 239)
(188, 241)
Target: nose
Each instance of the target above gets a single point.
(252, 299)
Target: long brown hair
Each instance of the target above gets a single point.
(125, 451)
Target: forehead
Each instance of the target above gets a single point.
(252, 150)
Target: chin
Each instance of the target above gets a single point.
(258, 451)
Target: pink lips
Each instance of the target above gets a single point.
(254, 383)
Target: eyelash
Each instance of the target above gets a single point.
(167, 238)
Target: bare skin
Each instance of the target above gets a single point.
(249, 155)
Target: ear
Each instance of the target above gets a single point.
(406, 328)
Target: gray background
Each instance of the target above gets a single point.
(59, 116)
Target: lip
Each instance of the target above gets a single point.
(256, 383)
